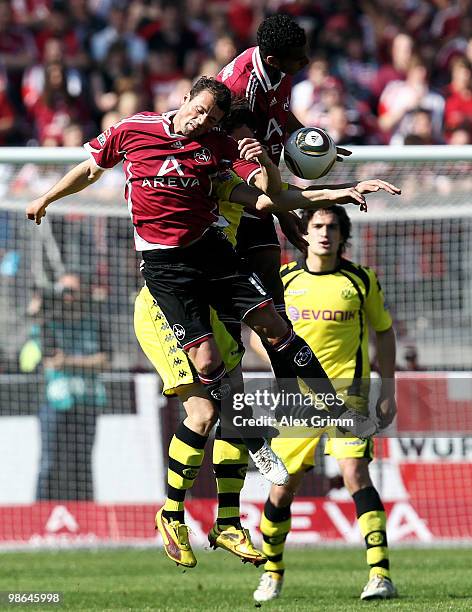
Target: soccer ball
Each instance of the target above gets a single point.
(309, 153)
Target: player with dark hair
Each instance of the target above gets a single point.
(351, 300)
(263, 75)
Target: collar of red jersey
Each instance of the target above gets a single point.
(261, 72)
(167, 121)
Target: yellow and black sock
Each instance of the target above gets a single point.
(275, 526)
(186, 452)
(373, 524)
(230, 459)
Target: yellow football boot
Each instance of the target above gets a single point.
(238, 542)
(176, 542)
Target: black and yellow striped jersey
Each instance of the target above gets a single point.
(332, 312)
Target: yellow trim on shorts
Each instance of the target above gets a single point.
(160, 346)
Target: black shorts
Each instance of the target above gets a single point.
(256, 234)
(185, 281)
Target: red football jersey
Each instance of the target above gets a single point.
(168, 176)
(270, 102)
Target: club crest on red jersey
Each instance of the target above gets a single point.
(202, 156)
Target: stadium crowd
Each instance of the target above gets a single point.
(394, 72)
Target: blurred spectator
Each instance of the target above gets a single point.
(396, 68)
(402, 98)
(73, 135)
(112, 47)
(129, 103)
(162, 73)
(225, 50)
(161, 104)
(462, 135)
(241, 16)
(59, 26)
(208, 67)
(307, 93)
(458, 109)
(109, 119)
(171, 32)
(118, 30)
(75, 348)
(56, 108)
(85, 22)
(34, 77)
(7, 114)
(410, 355)
(31, 13)
(114, 75)
(420, 127)
(17, 50)
(356, 70)
(341, 130)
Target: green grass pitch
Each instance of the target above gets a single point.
(316, 579)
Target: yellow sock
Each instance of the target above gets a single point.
(230, 459)
(186, 452)
(275, 526)
(373, 523)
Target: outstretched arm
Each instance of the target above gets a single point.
(82, 175)
(268, 180)
(319, 196)
(323, 196)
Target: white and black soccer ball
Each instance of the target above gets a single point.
(309, 153)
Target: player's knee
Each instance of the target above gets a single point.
(203, 423)
(267, 323)
(281, 496)
(355, 474)
(204, 357)
(202, 415)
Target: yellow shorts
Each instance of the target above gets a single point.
(160, 346)
(230, 212)
(298, 454)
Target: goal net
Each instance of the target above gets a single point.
(83, 452)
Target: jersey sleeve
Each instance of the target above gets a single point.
(230, 75)
(107, 149)
(225, 184)
(375, 306)
(245, 169)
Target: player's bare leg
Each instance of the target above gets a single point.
(372, 524)
(219, 386)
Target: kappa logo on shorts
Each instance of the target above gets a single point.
(202, 156)
(303, 357)
(221, 393)
(179, 331)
